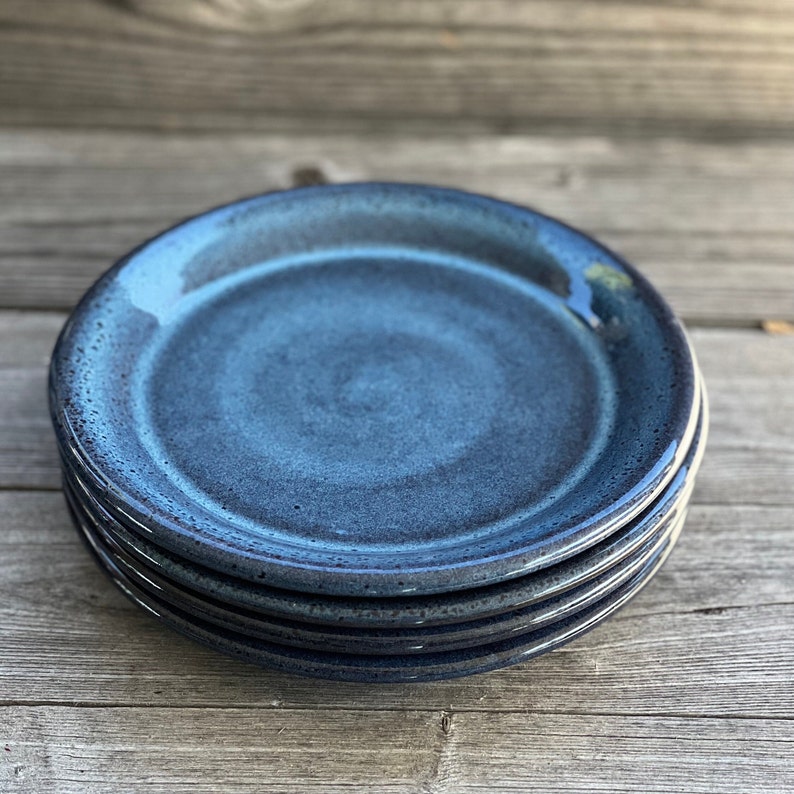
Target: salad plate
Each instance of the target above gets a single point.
(394, 613)
(400, 668)
(374, 391)
(347, 639)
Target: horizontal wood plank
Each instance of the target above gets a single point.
(27, 338)
(618, 755)
(28, 456)
(711, 626)
(719, 68)
(195, 750)
(709, 224)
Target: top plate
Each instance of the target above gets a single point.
(375, 389)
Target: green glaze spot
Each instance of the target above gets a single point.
(608, 276)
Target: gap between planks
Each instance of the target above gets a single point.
(452, 710)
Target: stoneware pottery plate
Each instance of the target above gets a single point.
(132, 551)
(374, 390)
(392, 668)
(368, 641)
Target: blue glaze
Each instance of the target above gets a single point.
(374, 390)
(396, 613)
(391, 668)
(343, 639)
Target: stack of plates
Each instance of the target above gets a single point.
(377, 432)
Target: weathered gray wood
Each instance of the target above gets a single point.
(720, 604)
(27, 338)
(707, 638)
(199, 750)
(710, 224)
(28, 456)
(522, 753)
(716, 67)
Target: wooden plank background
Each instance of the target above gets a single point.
(711, 224)
(708, 67)
(666, 128)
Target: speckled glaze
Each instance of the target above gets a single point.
(399, 668)
(405, 612)
(368, 641)
(374, 390)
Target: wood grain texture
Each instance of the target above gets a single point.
(710, 224)
(715, 67)
(199, 750)
(27, 338)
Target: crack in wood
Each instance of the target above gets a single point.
(443, 774)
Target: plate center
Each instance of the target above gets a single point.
(377, 399)
(354, 401)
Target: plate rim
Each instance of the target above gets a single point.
(475, 660)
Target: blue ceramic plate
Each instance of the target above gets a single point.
(405, 612)
(368, 641)
(391, 668)
(374, 389)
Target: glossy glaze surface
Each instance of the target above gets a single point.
(394, 668)
(368, 641)
(374, 390)
(395, 613)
